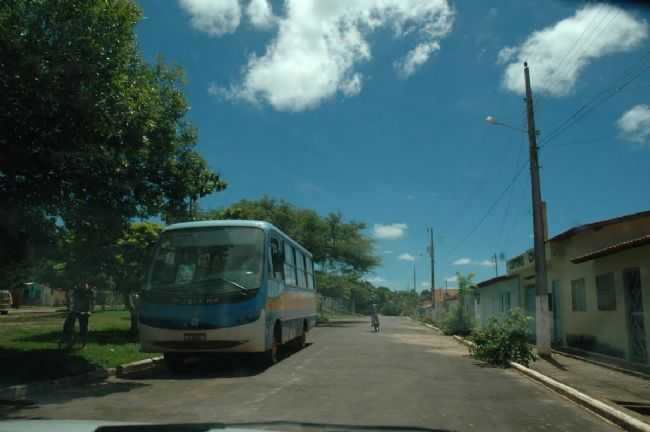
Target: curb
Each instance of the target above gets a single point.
(20, 394)
(464, 341)
(137, 366)
(622, 419)
(432, 327)
(618, 417)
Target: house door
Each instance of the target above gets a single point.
(634, 312)
(555, 305)
(531, 309)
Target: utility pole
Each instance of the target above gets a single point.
(432, 254)
(496, 266)
(414, 286)
(543, 328)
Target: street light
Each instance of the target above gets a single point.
(543, 328)
(493, 121)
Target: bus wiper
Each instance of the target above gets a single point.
(242, 288)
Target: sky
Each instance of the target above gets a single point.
(376, 109)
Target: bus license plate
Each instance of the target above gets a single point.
(194, 337)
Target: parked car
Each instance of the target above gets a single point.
(5, 302)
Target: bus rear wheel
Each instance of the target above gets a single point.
(300, 341)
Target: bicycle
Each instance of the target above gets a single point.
(375, 325)
(68, 337)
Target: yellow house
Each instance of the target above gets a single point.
(599, 289)
(600, 276)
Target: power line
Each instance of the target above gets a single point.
(573, 47)
(597, 31)
(600, 98)
(491, 208)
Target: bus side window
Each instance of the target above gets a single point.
(310, 273)
(300, 269)
(277, 272)
(289, 265)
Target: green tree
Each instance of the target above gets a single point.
(466, 288)
(130, 261)
(92, 136)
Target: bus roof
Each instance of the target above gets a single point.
(266, 226)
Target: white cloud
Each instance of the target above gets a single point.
(425, 284)
(635, 124)
(352, 86)
(468, 261)
(452, 279)
(319, 44)
(416, 58)
(406, 257)
(390, 231)
(555, 73)
(215, 18)
(506, 54)
(260, 14)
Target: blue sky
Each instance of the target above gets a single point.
(376, 108)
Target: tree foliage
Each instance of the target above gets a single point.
(91, 135)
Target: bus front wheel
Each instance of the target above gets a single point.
(270, 357)
(175, 362)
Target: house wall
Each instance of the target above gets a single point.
(490, 299)
(605, 332)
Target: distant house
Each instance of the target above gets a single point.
(445, 299)
(599, 288)
(496, 297)
(37, 294)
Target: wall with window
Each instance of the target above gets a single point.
(593, 301)
(497, 299)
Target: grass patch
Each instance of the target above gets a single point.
(29, 352)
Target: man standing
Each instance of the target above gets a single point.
(83, 305)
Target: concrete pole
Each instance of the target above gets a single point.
(543, 328)
(433, 268)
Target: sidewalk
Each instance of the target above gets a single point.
(607, 385)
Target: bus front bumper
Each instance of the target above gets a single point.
(247, 338)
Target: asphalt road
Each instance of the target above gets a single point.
(405, 375)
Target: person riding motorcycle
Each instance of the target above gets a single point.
(374, 317)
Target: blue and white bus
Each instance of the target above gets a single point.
(226, 286)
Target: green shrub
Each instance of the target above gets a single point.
(390, 309)
(458, 321)
(504, 340)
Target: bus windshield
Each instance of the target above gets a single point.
(217, 259)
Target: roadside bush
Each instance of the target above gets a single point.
(504, 340)
(458, 321)
(390, 309)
